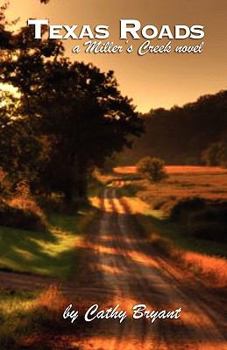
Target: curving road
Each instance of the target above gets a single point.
(124, 269)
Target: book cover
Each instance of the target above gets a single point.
(113, 175)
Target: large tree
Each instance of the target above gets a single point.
(78, 109)
(21, 150)
(88, 118)
(21, 146)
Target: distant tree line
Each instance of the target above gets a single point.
(66, 118)
(193, 134)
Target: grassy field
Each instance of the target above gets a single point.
(50, 253)
(183, 182)
(152, 203)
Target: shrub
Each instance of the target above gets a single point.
(213, 231)
(215, 154)
(152, 168)
(204, 219)
(212, 213)
(185, 207)
(21, 218)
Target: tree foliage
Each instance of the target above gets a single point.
(181, 134)
(69, 118)
(215, 154)
(153, 168)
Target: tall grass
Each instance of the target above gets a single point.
(24, 316)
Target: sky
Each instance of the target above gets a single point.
(152, 80)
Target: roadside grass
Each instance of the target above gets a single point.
(178, 235)
(52, 252)
(13, 309)
(49, 253)
(28, 316)
(203, 258)
(24, 316)
(32, 319)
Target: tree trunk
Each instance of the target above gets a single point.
(69, 196)
(80, 180)
(82, 190)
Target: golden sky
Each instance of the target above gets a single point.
(152, 80)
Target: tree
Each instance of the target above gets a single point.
(179, 135)
(76, 107)
(215, 154)
(22, 146)
(21, 150)
(76, 112)
(152, 168)
(88, 119)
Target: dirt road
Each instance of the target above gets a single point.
(125, 270)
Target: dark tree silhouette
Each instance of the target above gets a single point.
(77, 109)
(181, 134)
(87, 119)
